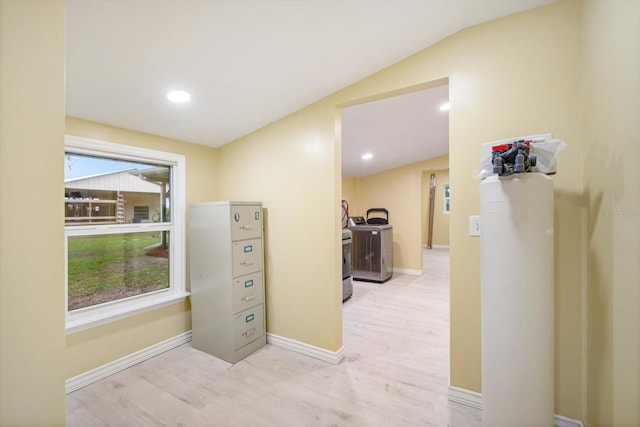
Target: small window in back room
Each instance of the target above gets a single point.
(446, 199)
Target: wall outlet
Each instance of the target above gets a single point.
(474, 225)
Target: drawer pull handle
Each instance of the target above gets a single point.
(248, 298)
(249, 332)
(247, 262)
(247, 227)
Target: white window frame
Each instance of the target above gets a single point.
(88, 317)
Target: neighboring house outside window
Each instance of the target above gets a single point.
(118, 262)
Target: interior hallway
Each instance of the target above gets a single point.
(395, 372)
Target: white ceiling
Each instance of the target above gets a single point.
(397, 131)
(246, 63)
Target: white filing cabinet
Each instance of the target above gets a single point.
(227, 278)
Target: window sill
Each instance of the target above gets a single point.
(97, 318)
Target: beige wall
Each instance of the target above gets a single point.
(440, 218)
(611, 129)
(493, 97)
(32, 364)
(91, 348)
(293, 167)
(400, 191)
(350, 194)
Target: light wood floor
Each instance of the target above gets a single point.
(395, 372)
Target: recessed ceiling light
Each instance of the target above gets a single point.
(444, 107)
(367, 156)
(178, 96)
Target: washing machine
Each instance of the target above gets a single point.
(371, 248)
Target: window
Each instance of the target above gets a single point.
(141, 213)
(447, 199)
(124, 230)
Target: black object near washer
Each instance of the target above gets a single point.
(378, 220)
(347, 286)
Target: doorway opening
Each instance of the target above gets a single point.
(387, 143)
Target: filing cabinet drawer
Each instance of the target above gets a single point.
(246, 222)
(247, 291)
(248, 326)
(247, 257)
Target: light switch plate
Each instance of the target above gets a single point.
(474, 225)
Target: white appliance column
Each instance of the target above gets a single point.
(517, 300)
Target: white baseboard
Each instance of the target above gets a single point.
(83, 380)
(333, 357)
(562, 421)
(473, 399)
(465, 397)
(407, 271)
(437, 246)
